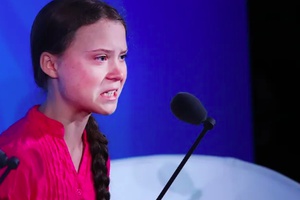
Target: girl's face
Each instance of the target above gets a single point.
(92, 71)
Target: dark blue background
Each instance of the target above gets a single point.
(200, 47)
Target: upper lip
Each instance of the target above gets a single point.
(111, 89)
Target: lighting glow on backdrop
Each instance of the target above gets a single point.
(200, 47)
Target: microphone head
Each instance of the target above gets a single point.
(13, 162)
(188, 108)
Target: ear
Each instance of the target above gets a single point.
(48, 64)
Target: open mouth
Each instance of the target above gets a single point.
(110, 93)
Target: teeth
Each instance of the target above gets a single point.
(110, 93)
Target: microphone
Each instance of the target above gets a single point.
(11, 163)
(3, 159)
(188, 108)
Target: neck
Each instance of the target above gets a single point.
(74, 122)
(73, 135)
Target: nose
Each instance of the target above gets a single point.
(117, 70)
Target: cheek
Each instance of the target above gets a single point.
(124, 74)
(87, 80)
(76, 80)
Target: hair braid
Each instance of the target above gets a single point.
(99, 151)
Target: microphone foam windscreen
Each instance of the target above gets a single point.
(188, 108)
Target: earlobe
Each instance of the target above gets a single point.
(48, 64)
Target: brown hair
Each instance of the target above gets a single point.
(53, 31)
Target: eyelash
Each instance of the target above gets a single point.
(103, 58)
(124, 56)
(100, 58)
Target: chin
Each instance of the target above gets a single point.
(107, 110)
(107, 113)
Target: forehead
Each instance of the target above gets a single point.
(106, 33)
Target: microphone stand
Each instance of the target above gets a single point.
(208, 125)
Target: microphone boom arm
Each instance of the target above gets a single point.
(208, 125)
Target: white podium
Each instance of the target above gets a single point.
(202, 178)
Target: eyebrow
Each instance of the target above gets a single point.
(107, 51)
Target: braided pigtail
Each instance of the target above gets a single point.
(99, 151)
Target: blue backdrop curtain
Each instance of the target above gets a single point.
(200, 47)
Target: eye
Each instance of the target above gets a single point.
(101, 58)
(122, 57)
